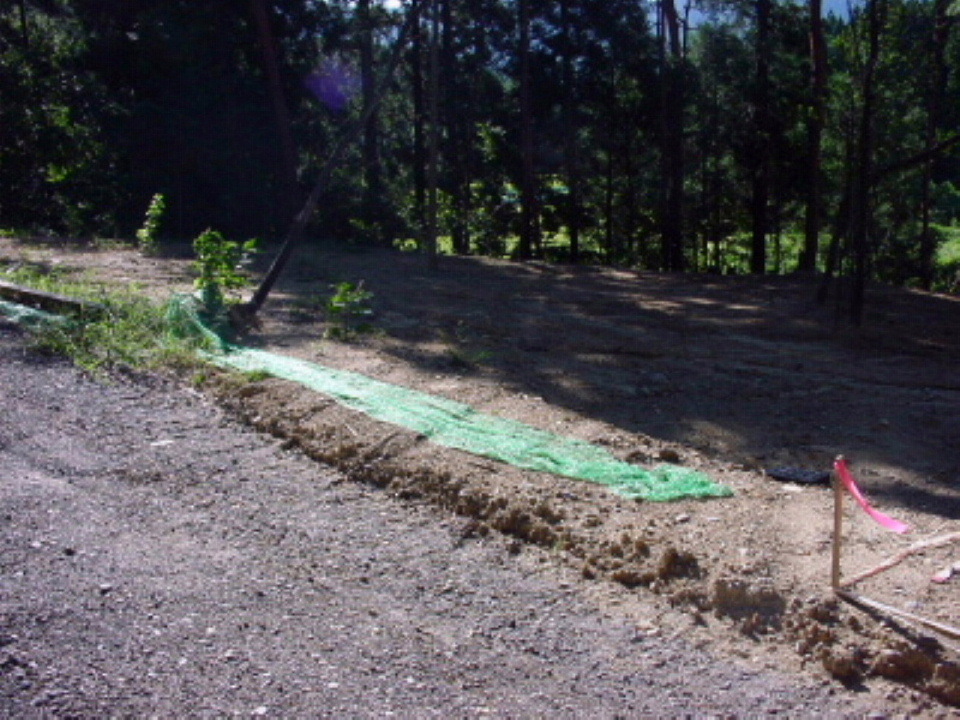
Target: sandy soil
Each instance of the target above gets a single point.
(732, 376)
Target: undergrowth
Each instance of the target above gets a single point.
(129, 331)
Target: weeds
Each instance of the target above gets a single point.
(348, 311)
(131, 331)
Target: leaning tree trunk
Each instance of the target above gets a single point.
(351, 133)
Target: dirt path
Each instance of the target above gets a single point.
(159, 560)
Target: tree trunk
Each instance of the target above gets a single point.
(818, 82)
(761, 159)
(570, 132)
(529, 207)
(419, 145)
(860, 208)
(458, 118)
(671, 137)
(433, 155)
(372, 200)
(271, 69)
(937, 93)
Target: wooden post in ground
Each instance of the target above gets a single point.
(837, 525)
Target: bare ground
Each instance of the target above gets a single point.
(728, 375)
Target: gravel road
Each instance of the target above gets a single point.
(160, 560)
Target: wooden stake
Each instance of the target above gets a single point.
(837, 526)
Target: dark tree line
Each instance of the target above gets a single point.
(725, 135)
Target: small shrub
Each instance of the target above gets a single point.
(147, 236)
(220, 264)
(948, 260)
(348, 310)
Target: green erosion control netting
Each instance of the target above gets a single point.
(27, 316)
(459, 426)
(446, 422)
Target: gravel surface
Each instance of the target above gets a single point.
(160, 560)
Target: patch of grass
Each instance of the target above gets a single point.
(132, 331)
(40, 276)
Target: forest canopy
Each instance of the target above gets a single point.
(760, 136)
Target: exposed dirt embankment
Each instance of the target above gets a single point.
(741, 598)
(730, 376)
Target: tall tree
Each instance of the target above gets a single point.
(759, 204)
(860, 207)
(372, 203)
(419, 128)
(530, 239)
(433, 152)
(571, 125)
(936, 94)
(291, 197)
(671, 135)
(815, 125)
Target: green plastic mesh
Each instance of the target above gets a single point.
(445, 422)
(459, 426)
(28, 316)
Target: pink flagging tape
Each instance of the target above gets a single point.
(847, 477)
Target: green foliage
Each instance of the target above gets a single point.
(101, 109)
(147, 235)
(59, 164)
(407, 245)
(348, 311)
(947, 277)
(220, 263)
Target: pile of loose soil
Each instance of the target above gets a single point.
(728, 375)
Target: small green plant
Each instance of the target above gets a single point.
(220, 264)
(348, 310)
(147, 235)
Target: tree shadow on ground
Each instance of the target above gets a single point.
(745, 369)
